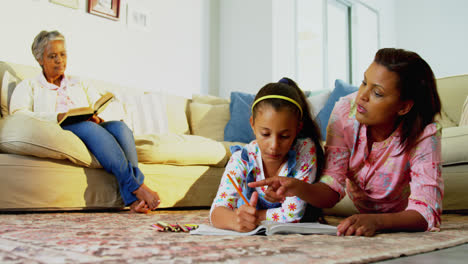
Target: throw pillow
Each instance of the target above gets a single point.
(25, 135)
(181, 150)
(209, 99)
(9, 83)
(341, 89)
(317, 101)
(209, 120)
(464, 115)
(148, 113)
(238, 127)
(176, 109)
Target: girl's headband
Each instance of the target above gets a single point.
(277, 97)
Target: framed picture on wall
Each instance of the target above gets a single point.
(105, 8)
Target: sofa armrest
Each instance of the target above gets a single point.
(454, 145)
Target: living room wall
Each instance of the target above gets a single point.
(436, 30)
(173, 55)
(217, 46)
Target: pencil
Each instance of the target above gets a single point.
(238, 190)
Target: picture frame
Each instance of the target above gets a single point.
(75, 4)
(106, 8)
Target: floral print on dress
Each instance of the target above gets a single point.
(293, 208)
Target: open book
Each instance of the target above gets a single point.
(79, 114)
(269, 228)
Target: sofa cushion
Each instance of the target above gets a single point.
(147, 112)
(317, 101)
(453, 92)
(341, 89)
(464, 115)
(209, 120)
(9, 83)
(444, 120)
(208, 116)
(24, 135)
(176, 110)
(454, 145)
(209, 99)
(238, 127)
(180, 150)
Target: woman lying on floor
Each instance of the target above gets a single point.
(384, 147)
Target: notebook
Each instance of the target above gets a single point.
(269, 228)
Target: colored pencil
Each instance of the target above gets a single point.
(238, 190)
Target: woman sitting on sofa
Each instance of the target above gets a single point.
(51, 94)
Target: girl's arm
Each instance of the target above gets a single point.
(224, 212)
(243, 219)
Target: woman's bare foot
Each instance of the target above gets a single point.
(150, 197)
(139, 206)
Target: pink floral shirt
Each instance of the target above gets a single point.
(389, 182)
(304, 169)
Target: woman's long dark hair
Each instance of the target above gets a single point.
(288, 88)
(416, 82)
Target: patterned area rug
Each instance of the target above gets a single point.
(120, 237)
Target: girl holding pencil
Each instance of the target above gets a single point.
(287, 144)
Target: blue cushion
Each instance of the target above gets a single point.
(341, 89)
(238, 127)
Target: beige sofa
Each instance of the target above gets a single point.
(39, 172)
(44, 168)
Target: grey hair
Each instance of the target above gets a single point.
(41, 41)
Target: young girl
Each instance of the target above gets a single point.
(287, 145)
(384, 147)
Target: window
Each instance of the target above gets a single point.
(336, 39)
(338, 42)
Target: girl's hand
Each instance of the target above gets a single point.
(359, 225)
(246, 215)
(96, 119)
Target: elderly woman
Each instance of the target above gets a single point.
(51, 94)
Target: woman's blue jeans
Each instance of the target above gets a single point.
(113, 145)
